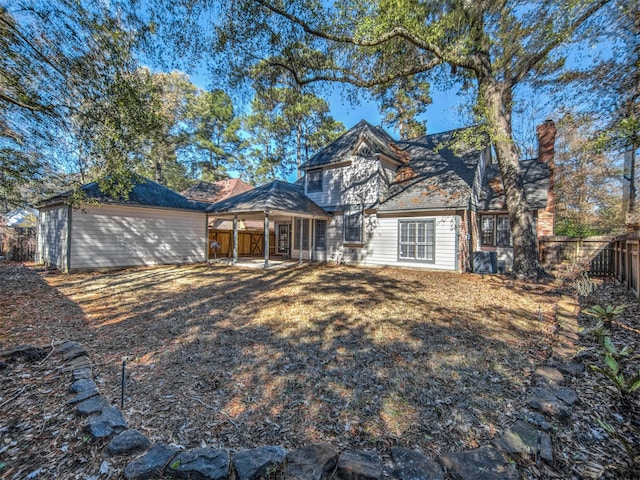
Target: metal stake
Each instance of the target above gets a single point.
(123, 384)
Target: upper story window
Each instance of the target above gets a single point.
(314, 181)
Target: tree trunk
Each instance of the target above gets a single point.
(526, 262)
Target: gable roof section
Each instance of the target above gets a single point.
(344, 146)
(441, 179)
(212, 192)
(535, 179)
(274, 196)
(145, 193)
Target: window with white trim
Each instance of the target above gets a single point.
(417, 240)
(495, 230)
(314, 181)
(353, 227)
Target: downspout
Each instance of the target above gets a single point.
(300, 237)
(67, 260)
(266, 239)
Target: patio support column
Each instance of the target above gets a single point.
(300, 237)
(266, 239)
(235, 239)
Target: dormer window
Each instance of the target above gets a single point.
(314, 181)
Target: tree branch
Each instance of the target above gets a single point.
(529, 63)
(33, 108)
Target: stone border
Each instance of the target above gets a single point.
(549, 401)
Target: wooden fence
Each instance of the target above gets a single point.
(250, 243)
(594, 252)
(627, 261)
(616, 257)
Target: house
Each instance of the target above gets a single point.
(154, 225)
(430, 202)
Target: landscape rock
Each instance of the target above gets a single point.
(68, 345)
(314, 462)
(524, 438)
(259, 463)
(358, 465)
(549, 374)
(74, 352)
(128, 442)
(91, 405)
(536, 419)
(546, 402)
(413, 465)
(485, 463)
(83, 385)
(201, 464)
(152, 463)
(108, 422)
(82, 396)
(81, 373)
(77, 363)
(574, 369)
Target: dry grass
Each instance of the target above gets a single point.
(360, 358)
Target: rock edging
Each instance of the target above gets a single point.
(549, 401)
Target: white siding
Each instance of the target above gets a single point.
(381, 242)
(53, 227)
(354, 184)
(121, 236)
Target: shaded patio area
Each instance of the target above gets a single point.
(256, 262)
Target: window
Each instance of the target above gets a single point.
(417, 240)
(353, 227)
(314, 181)
(486, 229)
(305, 234)
(503, 229)
(321, 234)
(495, 230)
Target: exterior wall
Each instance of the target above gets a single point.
(52, 243)
(355, 184)
(381, 242)
(122, 236)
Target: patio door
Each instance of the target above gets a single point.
(283, 238)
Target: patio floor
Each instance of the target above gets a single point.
(258, 262)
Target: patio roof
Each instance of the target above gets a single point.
(274, 197)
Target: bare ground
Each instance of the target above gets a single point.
(360, 358)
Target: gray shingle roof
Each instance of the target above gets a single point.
(340, 149)
(276, 195)
(535, 177)
(441, 178)
(146, 193)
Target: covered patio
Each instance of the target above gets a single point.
(298, 224)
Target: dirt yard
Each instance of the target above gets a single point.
(231, 357)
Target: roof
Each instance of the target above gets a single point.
(145, 193)
(439, 179)
(209, 192)
(21, 218)
(344, 146)
(535, 179)
(273, 196)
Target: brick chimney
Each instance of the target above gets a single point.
(546, 151)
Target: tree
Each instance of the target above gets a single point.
(169, 99)
(58, 56)
(492, 47)
(215, 138)
(587, 188)
(401, 102)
